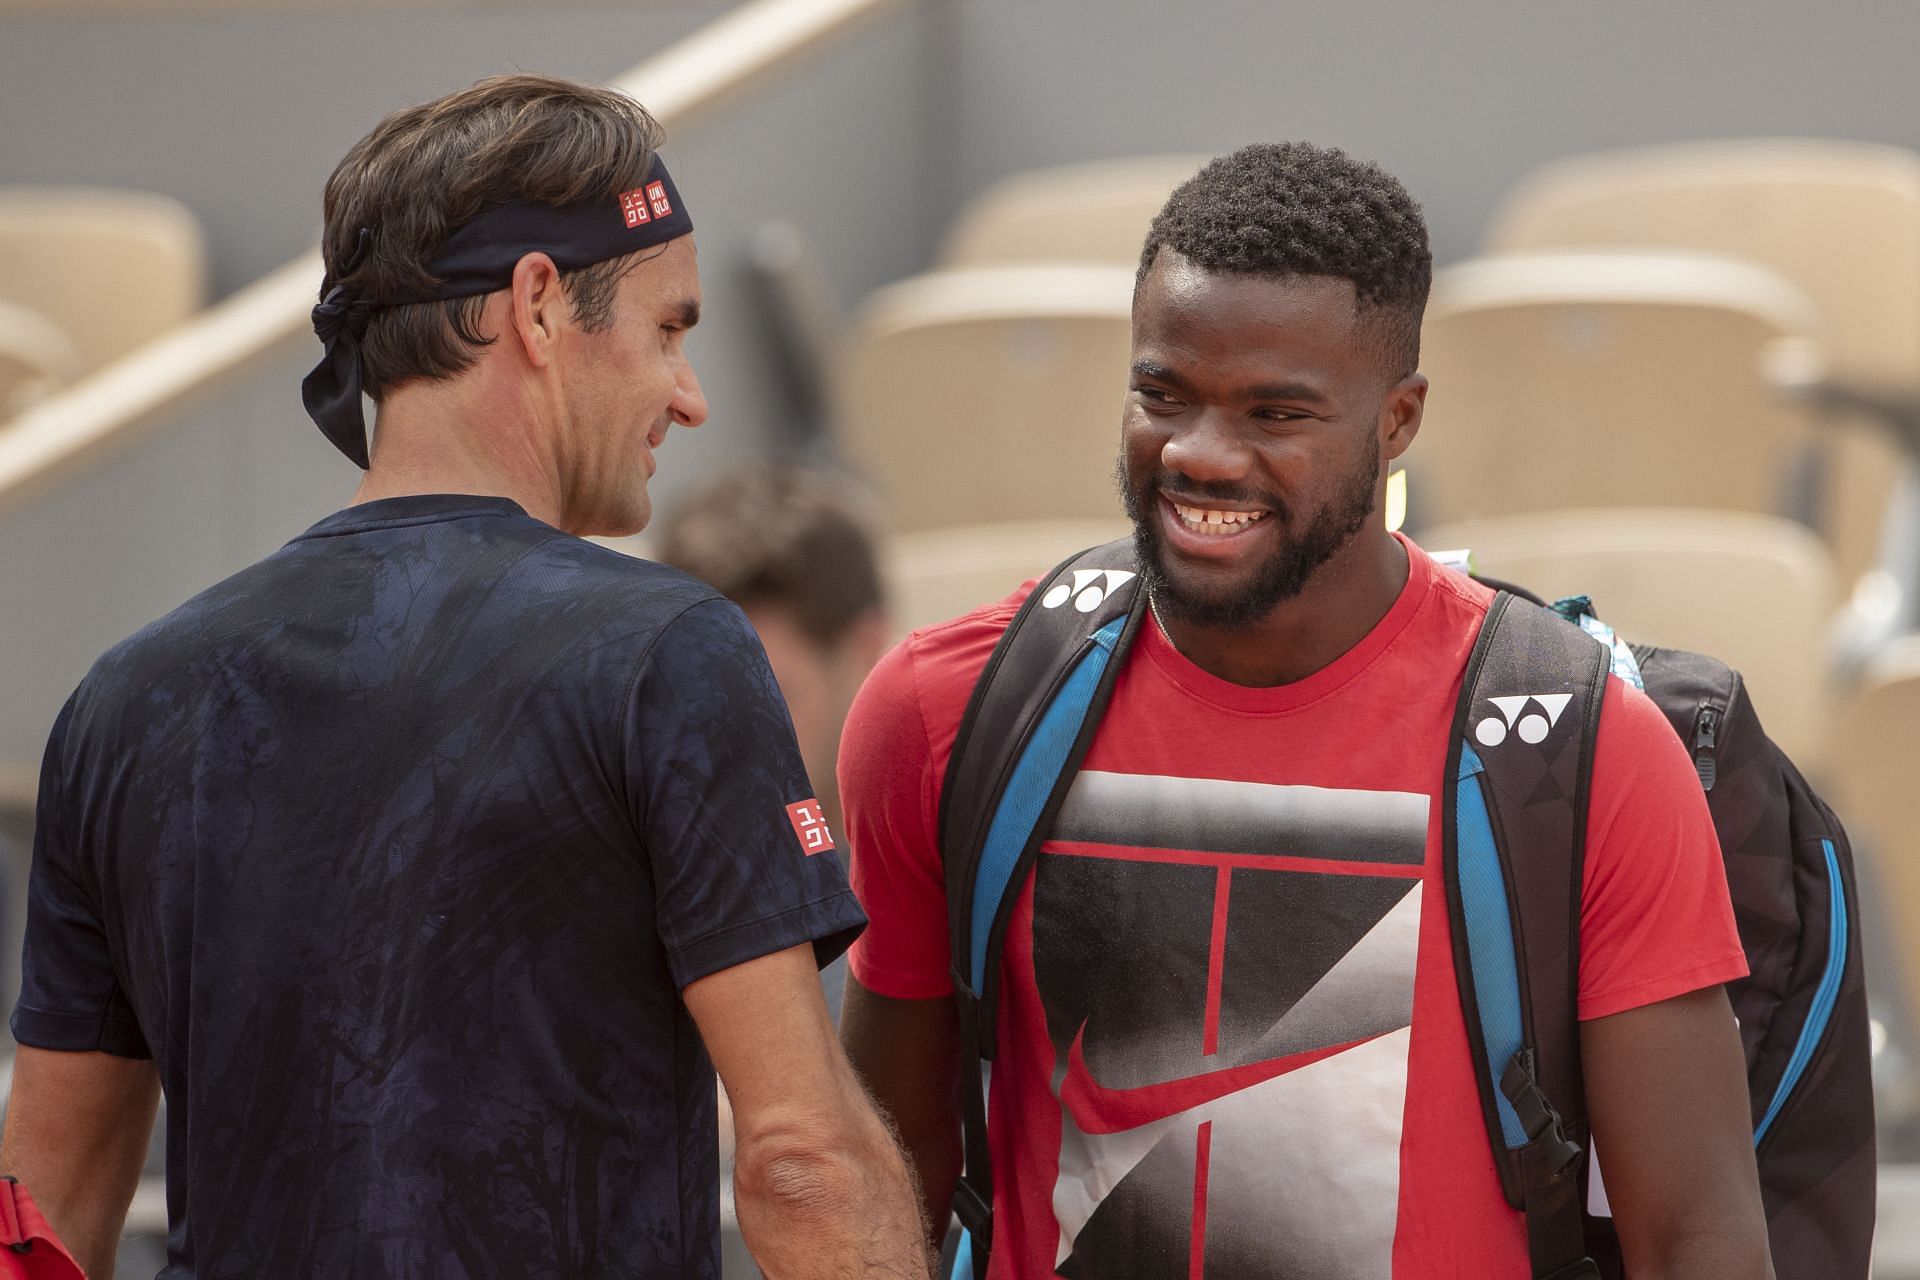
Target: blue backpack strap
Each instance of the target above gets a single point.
(1514, 827)
(1032, 715)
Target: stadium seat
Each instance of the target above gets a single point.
(109, 269)
(1841, 220)
(941, 573)
(1757, 592)
(972, 397)
(1607, 379)
(1870, 779)
(35, 358)
(1095, 212)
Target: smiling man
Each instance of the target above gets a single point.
(425, 862)
(1229, 1041)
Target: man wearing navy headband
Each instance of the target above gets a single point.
(425, 863)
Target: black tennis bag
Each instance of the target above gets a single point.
(1514, 822)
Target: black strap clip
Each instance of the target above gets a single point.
(1546, 1133)
(975, 1214)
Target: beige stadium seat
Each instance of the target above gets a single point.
(1607, 379)
(973, 397)
(35, 359)
(1841, 220)
(1871, 781)
(109, 269)
(1095, 212)
(1757, 592)
(942, 573)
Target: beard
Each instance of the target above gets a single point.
(1280, 577)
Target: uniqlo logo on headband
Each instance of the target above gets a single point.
(634, 205)
(657, 197)
(811, 826)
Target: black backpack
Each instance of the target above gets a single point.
(1802, 1011)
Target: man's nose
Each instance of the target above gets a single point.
(1206, 450)
(689, 403)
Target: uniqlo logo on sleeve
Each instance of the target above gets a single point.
(657, 197)
(634, 205)
(811, 826)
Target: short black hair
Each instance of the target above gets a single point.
(767, 534)
(1294, 209)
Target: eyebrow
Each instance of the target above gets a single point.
(1298, 392)
(689, 313)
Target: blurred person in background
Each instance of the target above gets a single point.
(425, 863)
(793, 548)
(1253, 1061)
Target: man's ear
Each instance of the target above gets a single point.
(537, 306)
(1400, 415)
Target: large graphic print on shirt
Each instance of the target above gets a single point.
(1227, 972)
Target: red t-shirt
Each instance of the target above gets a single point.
(1231, 1042)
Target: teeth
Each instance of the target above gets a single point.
(1215, 522)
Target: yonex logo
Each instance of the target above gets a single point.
(1532, 726)
(1085, 590)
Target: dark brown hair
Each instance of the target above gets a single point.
(427, 170)
(782, 536)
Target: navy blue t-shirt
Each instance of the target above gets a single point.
(394, 851)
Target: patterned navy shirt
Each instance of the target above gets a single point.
(394, 852)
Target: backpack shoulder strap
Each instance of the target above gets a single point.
(1026, 728)
(1514, 828)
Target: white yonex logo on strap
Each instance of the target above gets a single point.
(1086, 590)
(1532, 727)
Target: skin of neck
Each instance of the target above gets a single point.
(1342, 601)
(495, 429)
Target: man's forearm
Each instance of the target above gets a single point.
(1729, 1255)
(934, 1156)
(77, 1131)
(815, 1211)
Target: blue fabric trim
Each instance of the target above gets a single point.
(1825, 996)
(1029, 786)
(963, 1258)
(1625, 665)
(1483, 900)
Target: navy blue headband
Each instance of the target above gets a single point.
(479, 258)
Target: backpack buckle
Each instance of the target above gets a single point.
(1546, 1132)
(975, 1214)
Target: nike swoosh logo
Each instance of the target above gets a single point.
(1098, 1109)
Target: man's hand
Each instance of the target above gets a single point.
(908, 1053)
(819, 1182)
(78, 1125)
(1672, 1128)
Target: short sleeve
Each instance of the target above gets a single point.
(889, 790)
(743, 862)
(1656, 920)
(70, 993)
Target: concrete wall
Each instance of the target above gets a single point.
(1457, 99)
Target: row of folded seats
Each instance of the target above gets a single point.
(86, 276)
(1680, 380)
